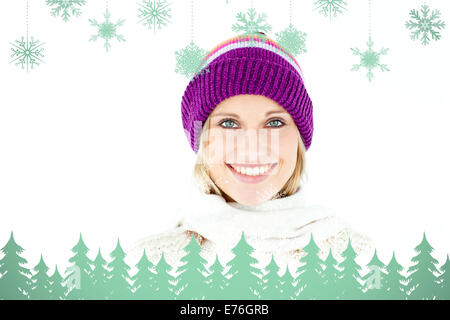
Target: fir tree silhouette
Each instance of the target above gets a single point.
(444, 281)
(331, 274)
(118, 281)
(310, 282)
(350, 282)
(15, 283)
(375, 280)
(57, 290)
(100, 275)
(164, 281)
(41, 282)
(216, 280)
(271, 288)
(422, 281)
(191, 279)
(244, 279)
(288, 289)
(144, 279)
(317, 279)
(395, 281)
(78, 281)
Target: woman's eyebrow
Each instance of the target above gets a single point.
(236, 116)
(220, 114)
(275, 111)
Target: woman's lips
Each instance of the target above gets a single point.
(248, 178)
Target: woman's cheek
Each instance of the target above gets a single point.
(215, 147)
(288, 147)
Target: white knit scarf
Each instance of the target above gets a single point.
(281, 224)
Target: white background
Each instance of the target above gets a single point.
(93, 142)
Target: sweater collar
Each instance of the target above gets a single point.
(223, 222)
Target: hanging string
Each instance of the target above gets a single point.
(192, 20)
(26, 19)
(370, 18)
(290, 12)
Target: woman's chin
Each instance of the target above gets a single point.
(249, 202)
(249, 196)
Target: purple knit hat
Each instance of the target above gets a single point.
(249, 64)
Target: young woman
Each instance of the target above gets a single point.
(249, 118)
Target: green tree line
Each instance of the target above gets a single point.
(237, 279)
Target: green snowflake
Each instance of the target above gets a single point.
(107, 30)
(330, 8)
(66, 8)
(154, 13)
(189, 59)
(292, 40)
(369, 59)
(425, 24)
(27, 52)
(253, 24)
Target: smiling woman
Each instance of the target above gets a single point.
(261, 146)
(250, 121)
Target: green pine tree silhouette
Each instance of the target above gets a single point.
(119, 280)
(78, 281)
(40, 289)
(422, 281)
(57, 290)
(143, 286)
(164, 284)
(375, 280)
(244, 279)
(310, 282)
(395, 281)
(271, 288)
(288, 289)
(444, 281)
(331, 274)
(216, 280)
(191, 279)
(349, 284)
(316, 279)
(15, 283)
(100, 276)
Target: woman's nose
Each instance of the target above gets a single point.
(256, 146)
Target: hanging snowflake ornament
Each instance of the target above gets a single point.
(293, 40)
(107, 30)
(27, 52)
(369, 59)
(330, 8)
(154, 13)
(66, 8)
(189, 59)
(251, 22)
(424, 25)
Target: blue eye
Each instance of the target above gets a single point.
(229, 122)
(278, 123)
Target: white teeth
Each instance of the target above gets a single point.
(252, 171)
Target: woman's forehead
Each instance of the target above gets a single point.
(244, 104)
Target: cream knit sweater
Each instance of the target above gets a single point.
(281, 227)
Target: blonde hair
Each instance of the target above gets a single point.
(208, 186)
